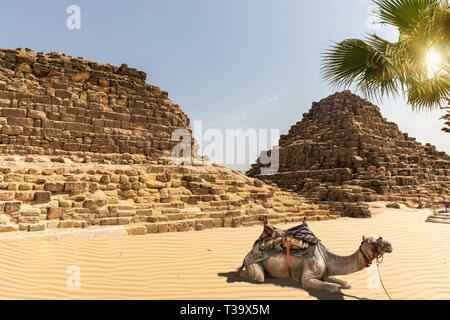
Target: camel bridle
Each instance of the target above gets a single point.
(374, 251)
(375, 255)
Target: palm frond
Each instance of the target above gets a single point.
(403, 14)
(360, 63)
(440, 27)
(428, 93)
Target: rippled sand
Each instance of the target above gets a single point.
(201, 264)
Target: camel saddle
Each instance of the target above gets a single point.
(300, 237)
(299, 240)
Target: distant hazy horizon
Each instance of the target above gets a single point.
(230, 64)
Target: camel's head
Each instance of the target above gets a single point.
(380, 245)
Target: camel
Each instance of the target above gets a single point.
(317, 270)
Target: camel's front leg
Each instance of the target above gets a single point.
(314, 283)
(343, 284)
(255, 271)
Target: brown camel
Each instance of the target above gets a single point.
(317, 271)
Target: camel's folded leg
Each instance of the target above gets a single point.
(313, 283)
(255, 271)
(343, 284)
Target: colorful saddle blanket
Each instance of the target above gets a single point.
(273, 241)
(299, 234)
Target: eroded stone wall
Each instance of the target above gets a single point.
(41, 194)
(58, 105)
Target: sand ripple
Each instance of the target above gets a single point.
(197, 265)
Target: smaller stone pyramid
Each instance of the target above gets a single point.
(343, 152)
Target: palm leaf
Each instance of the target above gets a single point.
(428, 93)
(360, 63)
(403, 14)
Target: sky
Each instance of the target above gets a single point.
(231, 64)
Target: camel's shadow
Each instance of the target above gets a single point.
(319, 294)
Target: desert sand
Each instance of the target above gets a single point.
(202, 264)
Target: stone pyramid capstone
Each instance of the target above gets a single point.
(345, 153)
(85, 144)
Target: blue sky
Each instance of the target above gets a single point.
(232, 64)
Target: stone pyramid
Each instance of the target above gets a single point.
(344, 153)
(85, 144)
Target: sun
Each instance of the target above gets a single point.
(434, 61)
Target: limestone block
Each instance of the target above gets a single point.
(54, 213)
(29, 219)
(14, 113)
(155, 184)
(36, 212)
(12, 207)
(12, 130)
(163, 227)
(42, 196)
(109, 221)
(36, 227)
(152, 227)
(137, 230)
(24, 196)
(75, 187)
(36, 114)
(54, 186)
(64, 94)
(8, 228)
(6, 196)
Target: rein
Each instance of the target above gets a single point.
(379, 259)
(379, 275)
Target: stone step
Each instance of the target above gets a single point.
(29, 219)
(115, 221)
(215, 209)
(126, 213)
(143, 206)
(126, 208)
(72, 224)
(8, 228)
(438, 220)
(144, 212)
(217, 214)
(440, 216)
(36, 227)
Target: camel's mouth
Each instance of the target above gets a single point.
(383, 246)
(388, 250)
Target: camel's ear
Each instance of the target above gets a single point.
(364, 239)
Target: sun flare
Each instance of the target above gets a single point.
(433, 61)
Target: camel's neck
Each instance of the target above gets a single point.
(340, 265)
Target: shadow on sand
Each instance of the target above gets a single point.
(319, 294)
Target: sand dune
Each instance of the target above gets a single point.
(200, 265)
